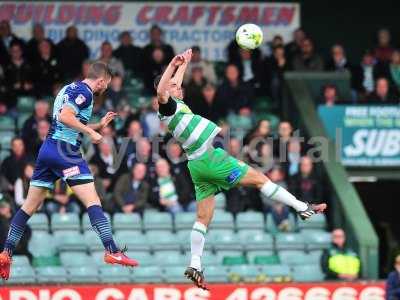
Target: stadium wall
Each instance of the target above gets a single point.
(349, 212)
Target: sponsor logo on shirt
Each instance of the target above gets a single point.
(234, 175)
(80, 99)
(71, 171)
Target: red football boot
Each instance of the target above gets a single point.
(119, 258)
(5, 265)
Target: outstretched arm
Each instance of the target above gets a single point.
(162, 88)
(178, 77)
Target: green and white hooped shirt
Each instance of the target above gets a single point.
(194, 132)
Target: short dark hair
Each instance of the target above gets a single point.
(99, 69)
(157, 81)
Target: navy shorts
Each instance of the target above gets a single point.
(59, 159)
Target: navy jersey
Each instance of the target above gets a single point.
(79, 97)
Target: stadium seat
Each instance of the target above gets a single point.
(215, 273)
(296, 257)
(51, 275)
(83, 273)
(289, 241)
(7, 123)
(76, 259)
(208, 260)
(257, 240)
(277, 272)
(46, 261)
(25, 104)
(114, 274)
(134, 240)
(259, 257)
(170, 258)
(98, 258)
(93, 241)
(163, 240)
(157, 221)
(308, 273)
(317, 239)
(220, 201)
(70, 241)
(222, 220)
(67, 221)
(5, 140)
(245, 273)
(234, 260)
(184, 221)
(22, 274)
(273, 228)
(317, 221)
(20, 261)
(174, 274)
(224, 240)
(144, 258)
(86, 221)
(42, 244)
(39, 221)
(228, 253)
(147, 275)
(122, 221)
(183, 239)
(22, 117)
(250, 220)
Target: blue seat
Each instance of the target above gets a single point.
(115, 274)
(247, 273)
(22, 273)
(147, 275)
(317, 239)
(290, 241)
(184, 221)
(133, 240)
(308, 273)
(163, 240)
(250, 220)
(93, 241)
(52, 275)
(169, 258)
(216, 273)
(76, 259)
(38, 222)
(157, 221)
(86, 274)
(70, 241)
(42, 244)
(317, 221)
(222, 220)
(66, 221)
(256, 240)
(123, 221)
(174, 274)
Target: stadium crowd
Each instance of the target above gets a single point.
(138, 165)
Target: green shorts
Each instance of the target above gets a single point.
(214, 171)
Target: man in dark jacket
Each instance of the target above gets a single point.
(339, 261)
(129, 54)
(131, 191)
(393, 282)
(7, 38)
(71, 52)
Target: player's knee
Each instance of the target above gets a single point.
(260, 180)
(204, 217)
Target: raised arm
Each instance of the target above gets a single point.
(162, 88)
(179, 74)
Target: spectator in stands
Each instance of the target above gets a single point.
(383, 50)
(339, 261)
(106, 56)
(366, 75)
(32, 47)
(262, 131)
(393, 282)
(307, 59)
(13, 165)
(174, 195)
(281, 141)
(5, 219)
(154, 66)
(176, 159)
(151, 120)
(194, 88)
(338, 62)
(383, 94)
(3, 109)
(62, 200)
(3, 86)
(305, 185)
(233, 51)
(233, 94)
(131, 191)
(206, 66)
(156, 41)
(18, 74)
(279, 212)
(143, 154)
(208, 107)
(72, 52)
(329, 95)
(43, 127)
(235, 148)
(267, 48)
(7, 39)
(130, 55)
(106, 161)
(21, 185)
(292, 158)
(29, 130)
(294, 47)
(241, 122)
(275, 67)
(46, 72)
(391, 70)
(251, 70)
(115, 94)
